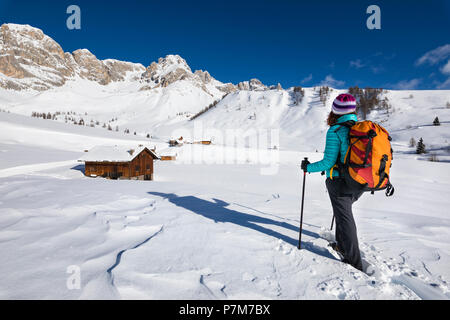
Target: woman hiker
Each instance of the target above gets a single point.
(341, 196)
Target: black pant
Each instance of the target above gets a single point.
(342, 199)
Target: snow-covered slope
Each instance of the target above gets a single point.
(411, 117)
(411, 114)
(163, 111)
(136, 110)
(220, 222)
(204, 231)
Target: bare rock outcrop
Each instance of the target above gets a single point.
(173, 68)
(167, 70)
(252, 85)
(90, 67)
(26, 52)
(31, 59)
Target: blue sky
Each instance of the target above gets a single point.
(288, 41)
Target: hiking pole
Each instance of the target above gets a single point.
(332, 222)
(301, 212)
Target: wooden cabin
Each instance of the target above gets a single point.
(168, 158)
(205, 142)
(120, 163)
(176, 142)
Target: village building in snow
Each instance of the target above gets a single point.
(117, 162)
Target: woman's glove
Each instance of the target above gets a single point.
(304, 165)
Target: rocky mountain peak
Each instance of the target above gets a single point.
(252, 85)
(174, 61)
(167, 70)
(29, 59)
(174, 68)
(26, 52)
(90, 67)
(204, 76)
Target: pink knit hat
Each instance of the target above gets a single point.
(344, 103)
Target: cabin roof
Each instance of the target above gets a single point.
(114, 154)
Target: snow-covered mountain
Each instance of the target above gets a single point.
(302, 124)
(36, 75)
(29, 59)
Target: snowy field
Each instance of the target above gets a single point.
(211, 231)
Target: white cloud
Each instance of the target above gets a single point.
(444, 85)
(357, 64)
(407, 84)
(331, 82)
(446, 68)
(434, 56)
(374, 66)
(307, 79)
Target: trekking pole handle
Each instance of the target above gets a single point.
(305, 159)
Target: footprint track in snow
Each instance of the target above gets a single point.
(339, 288)
(389, 272)
(392, 272)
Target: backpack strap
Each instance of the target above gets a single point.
(370, 135)
(383, 175)
(389, 188)
(348, 124)
(339, 166)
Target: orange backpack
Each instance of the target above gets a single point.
(369, 157)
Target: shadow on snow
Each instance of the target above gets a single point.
(216, 210)
(79, 167)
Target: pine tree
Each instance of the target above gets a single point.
(412, 143)
(299, 93)
(367, 99)
(420, 147)
(436, 122)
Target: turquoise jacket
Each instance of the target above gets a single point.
(337, 141)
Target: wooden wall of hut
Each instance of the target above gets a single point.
(140, 167)
(168, 158)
